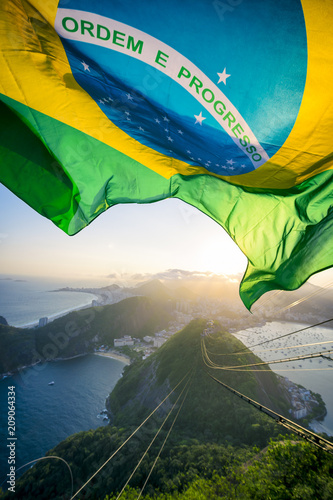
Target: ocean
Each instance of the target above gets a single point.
(23, 301)
(46, 414)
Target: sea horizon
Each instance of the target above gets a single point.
(24, 301)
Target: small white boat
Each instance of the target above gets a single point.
(51, 383)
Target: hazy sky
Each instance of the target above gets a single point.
(125, 239)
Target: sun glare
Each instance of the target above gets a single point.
(222, 256)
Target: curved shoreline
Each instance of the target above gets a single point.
(119, 357)
(52, 317)
(113, 355)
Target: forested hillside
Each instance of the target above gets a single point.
(211, 438)
(77, 332)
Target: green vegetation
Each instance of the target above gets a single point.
(286, 471)
(79, 332)
(213, 450)
(230, 420)
(3, 321)
(16, 348)
(130, 352)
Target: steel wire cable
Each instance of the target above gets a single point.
(268, 299)
(322, 290)
(152, 441)
(163, 444)
(126, 441)
(298, 346)
(288, 334)
(46, 458)
(210, 364)
(310, 436)
(283, 360)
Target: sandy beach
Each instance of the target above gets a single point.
(114, 355)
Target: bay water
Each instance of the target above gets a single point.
(315, 374)
(46, 414)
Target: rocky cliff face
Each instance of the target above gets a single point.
(139, 396)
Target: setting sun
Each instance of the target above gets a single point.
(222, 256)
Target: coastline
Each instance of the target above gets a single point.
(52, 317)
(119, 357)
(113, 355)
(318, 427)
(307, 376)
(54, 360)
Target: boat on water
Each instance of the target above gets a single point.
(51, 383)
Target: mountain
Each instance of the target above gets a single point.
(78, 332)
(184, 293)
(146, 382)
(3, 321)
(309, 303)
(307, 299)
(16, 348)
(220, 294)
(154, 289)
(212, 438)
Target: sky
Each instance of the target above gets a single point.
(126, 239)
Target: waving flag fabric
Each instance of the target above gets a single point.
(226, 105)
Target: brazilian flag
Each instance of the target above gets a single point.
(226, 105)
